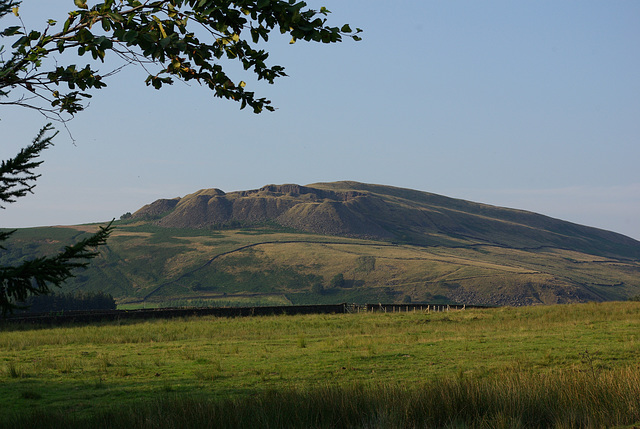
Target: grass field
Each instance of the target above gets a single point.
(145, 265)
(545, 366)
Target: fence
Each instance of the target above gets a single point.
(165, 313)
(405, 308)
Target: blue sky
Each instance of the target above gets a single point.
(530, 105)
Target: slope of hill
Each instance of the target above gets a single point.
(382, 212)
(347, 241)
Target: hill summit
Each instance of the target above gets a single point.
(399, 215)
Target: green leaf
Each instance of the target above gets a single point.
(67, 23)
(165, 42)
(82, 4)
(10, 31)
(24, 40)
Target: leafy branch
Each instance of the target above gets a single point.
(159, 33)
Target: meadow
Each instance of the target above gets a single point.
(546, 366)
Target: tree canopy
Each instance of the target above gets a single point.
(170, 39)
(55, 69)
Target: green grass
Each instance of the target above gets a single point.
(511, 402)
(559, 366)
(193, 263)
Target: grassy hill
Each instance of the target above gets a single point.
(346, 241)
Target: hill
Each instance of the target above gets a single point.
(348, 241)
(361, 210)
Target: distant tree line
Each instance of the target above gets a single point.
(68, 301)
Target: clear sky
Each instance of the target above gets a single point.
(531, 104)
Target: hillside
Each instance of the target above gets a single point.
(347, 242)
(361, 210)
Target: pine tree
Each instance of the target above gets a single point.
(38, 275)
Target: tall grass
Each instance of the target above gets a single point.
(572, 399)
(557, 366)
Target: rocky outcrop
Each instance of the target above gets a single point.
(156, 209)
(384, 212)
(332, 218)
(300, 207)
